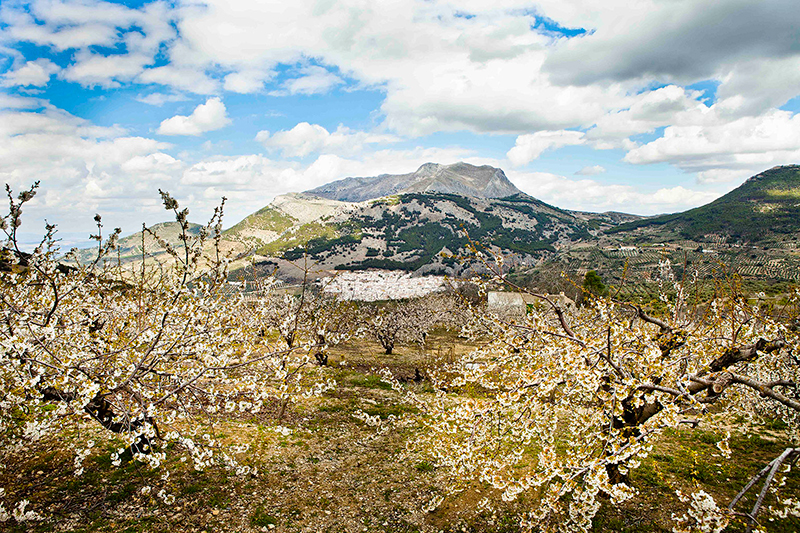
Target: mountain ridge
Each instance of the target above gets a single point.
(765, 207)
(423, 231)
(459, 178)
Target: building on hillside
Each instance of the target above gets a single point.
(506, 304)
(517, 305)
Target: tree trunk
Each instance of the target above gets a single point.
(100, 409)
(282, 410)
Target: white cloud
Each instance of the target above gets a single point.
(251, 181)
(591, 195)
(440, 71)
(206, 117)
(8, 101)
(313, 80)
(83, 168)
(305, 139)
(723, 175)
(726, 149)
(648, 111)
(137, 34)
(106, 71)
(245, 82)
(180, 78)
(36, 73)
(529, 147)
(435, 71)
(159, 99)
(591, 170)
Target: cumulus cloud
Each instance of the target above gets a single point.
(592, 195)
(8, 101)
(305, 139)
(648, 111)
(679, 41)
(159, 99)
(92, 69)
(435, 71)
(180, 78)
(313, 79)
(439, 71)
(591, 170)
(252, 181)
(206, 117)
(726, 150)
(248, 81)
(35, 73)
(529, 147)
(135, 33)
(83, 168)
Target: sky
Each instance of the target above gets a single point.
(647, 107)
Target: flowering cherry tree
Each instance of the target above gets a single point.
(147, 352)
(563, 404)
(404, 321)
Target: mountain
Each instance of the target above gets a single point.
(424, 226)
(423, 231)
(764, 208)
(130, 247)
(416, 221)
(462, 179)
(284, 213)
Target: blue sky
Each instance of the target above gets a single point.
(106, 102)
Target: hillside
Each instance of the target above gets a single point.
(764, 208)
(462, 179)
(130, 248)
(421, 232)
(284, 213)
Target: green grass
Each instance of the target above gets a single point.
(262, 518)
(370, 381)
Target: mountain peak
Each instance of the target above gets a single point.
(459, 178)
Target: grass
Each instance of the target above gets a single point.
(370, 382)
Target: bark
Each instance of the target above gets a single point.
(101, 410)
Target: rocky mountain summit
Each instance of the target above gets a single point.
(461, 179)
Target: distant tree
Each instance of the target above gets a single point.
(593, 284)
(327, 321)
(405, 321)
(388, 324)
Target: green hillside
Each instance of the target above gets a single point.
(266, 219)
(764, 208)
(409, 231)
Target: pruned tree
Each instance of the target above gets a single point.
(327, 321)
(148, 353)
(388, 324)
(394, 322)
(579, 397)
